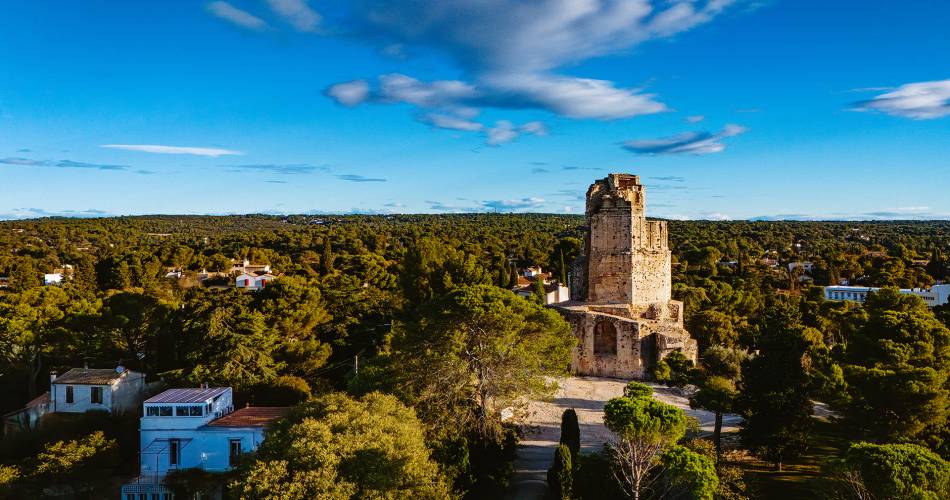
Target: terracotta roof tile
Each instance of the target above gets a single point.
(252, 416)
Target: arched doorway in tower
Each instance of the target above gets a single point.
(605, 338)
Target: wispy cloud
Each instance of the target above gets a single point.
(283, 169)
(66, 164)
(695, 118)
(504, 131)
(236, 16)
(21, 161)
(450, 122)
(695, 143)
(669, 178)
(539, 170)
(359, 178)
(297, 13)
(275, 182)
(919, 101)
(349, 94)
(175, 150)
(512, 205)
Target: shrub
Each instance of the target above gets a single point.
(637, 390)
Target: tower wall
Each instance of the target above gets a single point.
(627, 256)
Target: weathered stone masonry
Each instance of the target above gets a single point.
(622, 314)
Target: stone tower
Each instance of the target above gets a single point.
(624, 317)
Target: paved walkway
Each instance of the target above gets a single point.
(587, 395)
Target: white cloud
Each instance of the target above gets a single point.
(350, 93)
(920, 101)
(695, 118)
(297, 13)
(513, 48)
(697, 143)
(236, 16)
(178, 150)
(504, 131)
(450, 122)
(442, 93)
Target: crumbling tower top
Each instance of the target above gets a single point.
(627, 256)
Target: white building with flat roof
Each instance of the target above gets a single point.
(937, 295)
(194, 429)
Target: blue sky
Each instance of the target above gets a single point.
(727, 109)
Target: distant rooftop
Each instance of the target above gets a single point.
(90, 376)
(187, 395)
(252, 416)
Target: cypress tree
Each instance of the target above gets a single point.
(561, 474)
(571, 432)
(326, 262)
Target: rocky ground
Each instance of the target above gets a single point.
(587, 395)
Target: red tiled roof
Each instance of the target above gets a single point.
(252, 416)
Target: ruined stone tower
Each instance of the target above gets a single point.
(622, 314)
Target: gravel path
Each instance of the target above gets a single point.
(587, 395)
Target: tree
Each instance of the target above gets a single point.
(78, 462)
(897, 364)
(675, 369)
(480, 344)
(227, 342)
(645, 429)
(868, 471)
(720, 369)
(711, 327)
(561, 474)
(337, 447)
(538, 292)
(571, 433)
(774, 394)
(687, 474)
(31, 324)
(326, 261)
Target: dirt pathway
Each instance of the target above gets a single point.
(587, 395)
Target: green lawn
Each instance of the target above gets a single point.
(801, 478)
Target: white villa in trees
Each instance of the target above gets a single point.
(194, 428)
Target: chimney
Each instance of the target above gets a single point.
(52, 376)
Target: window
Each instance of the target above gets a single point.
(174, 453)
(234, 453)
(69, 394)
(165, 411)
(195, 411)
(605, 338)
(95, 395)
(151, 411)
(181, 411)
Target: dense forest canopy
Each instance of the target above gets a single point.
(409, 298)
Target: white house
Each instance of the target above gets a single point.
(253, 281)
(554, 293)
(194, 428)
(806, 266)
(937, 295)
(58, 275)
(245, 266)
(83, 389)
